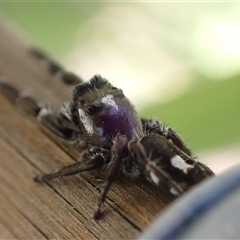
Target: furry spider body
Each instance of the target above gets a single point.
(117, 139)
(113, 137)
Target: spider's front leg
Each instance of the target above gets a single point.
(60, 122)
(119, 152)
(88, 162)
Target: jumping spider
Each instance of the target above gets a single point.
(114, 138)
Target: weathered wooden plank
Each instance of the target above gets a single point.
(62, 208)
(76, 198)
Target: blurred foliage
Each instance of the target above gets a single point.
(207, 116)
(61, 20)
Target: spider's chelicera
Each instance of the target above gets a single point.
(114, 138)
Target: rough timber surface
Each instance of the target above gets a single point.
(61, 208)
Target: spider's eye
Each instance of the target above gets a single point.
(94, 108)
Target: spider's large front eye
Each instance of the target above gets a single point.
(94, 108)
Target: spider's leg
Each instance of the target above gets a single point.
(155, 172)
(151, 125)
(60, 122)
(120, 146)
(55, 69)
(176, 139)
(154, 126)
(87, 164)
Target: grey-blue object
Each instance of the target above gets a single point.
(209, 211)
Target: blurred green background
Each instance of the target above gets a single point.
(178, 62)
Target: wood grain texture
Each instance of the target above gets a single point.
(61, 208)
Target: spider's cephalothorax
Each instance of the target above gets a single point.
(114, 138)
(103, 112)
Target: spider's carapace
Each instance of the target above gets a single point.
(103, 112)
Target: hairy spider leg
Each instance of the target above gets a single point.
(170, 134)
(84, 165)
(154, 126)
(205, 169)
(156, 173)
(60, 123)
(120, 146)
